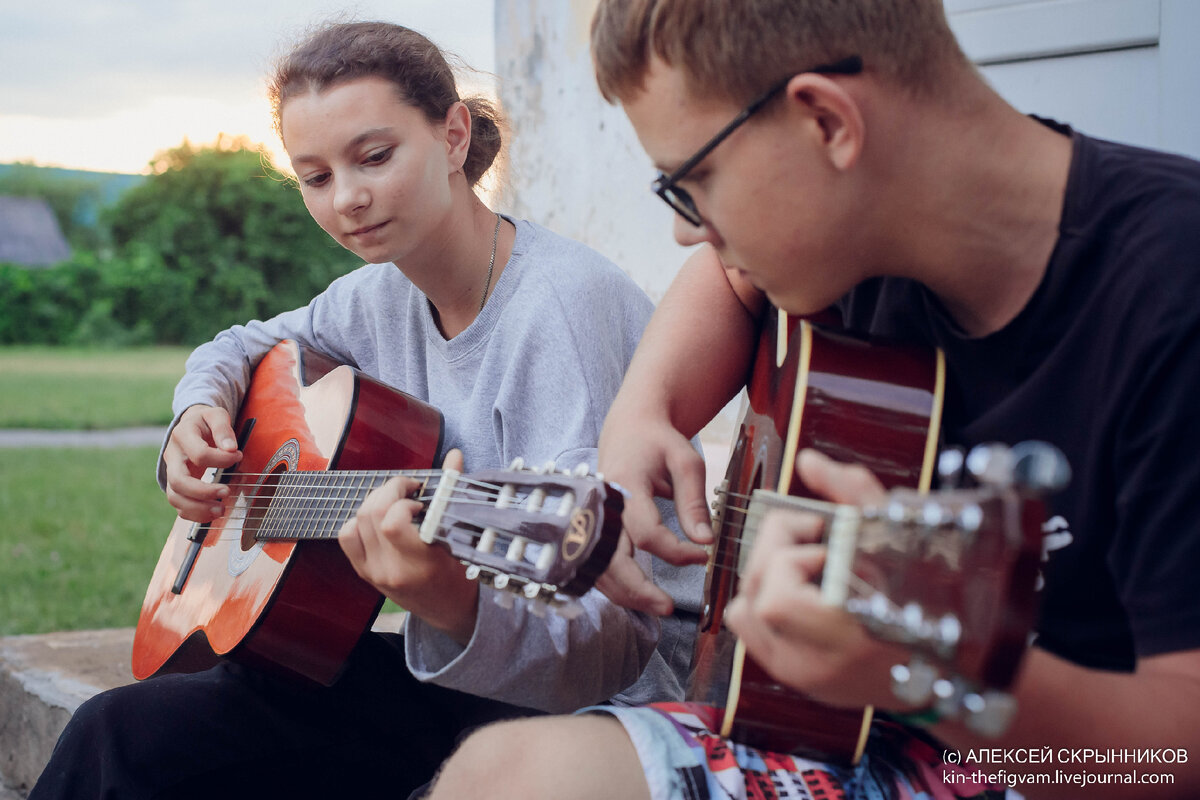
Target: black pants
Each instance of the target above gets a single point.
(233, 732)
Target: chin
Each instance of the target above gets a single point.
(794, 304)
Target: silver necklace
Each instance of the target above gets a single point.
(491, 264)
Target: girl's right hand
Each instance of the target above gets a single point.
(203, 438)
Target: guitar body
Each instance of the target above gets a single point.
(296, 607)
(876, 405)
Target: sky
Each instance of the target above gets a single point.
(106, 84)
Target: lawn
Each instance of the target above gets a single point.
(83, 530)
(83, 527)
(68, 388)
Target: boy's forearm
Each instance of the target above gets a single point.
(697, 347)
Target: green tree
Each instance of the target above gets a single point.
(215, 236)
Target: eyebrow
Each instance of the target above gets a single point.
(365, 136)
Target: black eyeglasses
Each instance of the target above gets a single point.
(678, 199)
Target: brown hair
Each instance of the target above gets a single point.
(734, 49)
(342, 52)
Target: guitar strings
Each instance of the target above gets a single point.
(735, 532)
(314, 532)
(291, 496)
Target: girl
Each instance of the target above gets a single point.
(518, 336)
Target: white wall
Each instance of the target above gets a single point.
(574, 162)
(1120, 69)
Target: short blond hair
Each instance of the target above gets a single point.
(733, 49)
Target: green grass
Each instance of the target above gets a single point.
(48, 387)
(82, 531)
(82, 528)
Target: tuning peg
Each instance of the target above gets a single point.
(990, 464)
(947, 633)
(969, 518)
(989, 713)
(517, 464)
(1040, 467)
(581, 470)
(897, 512)
(912, 683)
(934, 515)
(948, 695)
(951, 465)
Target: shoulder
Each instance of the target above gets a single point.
(1132, 219)
(572, 273)
(1133, 190)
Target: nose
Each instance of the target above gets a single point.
(688, 234)
(350, 196)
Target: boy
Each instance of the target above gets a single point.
(847, 154)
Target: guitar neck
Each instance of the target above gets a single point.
(309, 505)
(842, 526)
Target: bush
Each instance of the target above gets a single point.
(211, 239)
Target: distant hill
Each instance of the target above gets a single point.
(112, 183)
(109, 187)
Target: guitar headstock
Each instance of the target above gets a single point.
(536, 533)
(951, 575)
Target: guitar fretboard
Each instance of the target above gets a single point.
(304, 505)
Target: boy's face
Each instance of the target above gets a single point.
(766, 194)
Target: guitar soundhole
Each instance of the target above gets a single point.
(263, 508)
(260, 504)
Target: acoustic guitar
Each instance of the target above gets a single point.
(950, 575)
(267, 583)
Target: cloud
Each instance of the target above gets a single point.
(104, 84)
(84, 58)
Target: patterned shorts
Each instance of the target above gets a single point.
(683, 760)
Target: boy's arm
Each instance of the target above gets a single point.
(692, 359)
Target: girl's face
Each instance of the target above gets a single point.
(373, 172)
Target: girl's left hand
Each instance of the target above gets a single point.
(385, 549)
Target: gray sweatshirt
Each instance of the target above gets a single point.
(533, 376)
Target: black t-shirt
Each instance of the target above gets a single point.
(1104, 362)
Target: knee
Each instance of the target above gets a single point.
(489, 759)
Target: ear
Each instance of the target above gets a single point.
(458, 135)
(834, 115)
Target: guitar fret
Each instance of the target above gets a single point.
(270, 521)
(341, 511)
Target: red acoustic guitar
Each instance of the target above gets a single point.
(949, 575)
(267, 583)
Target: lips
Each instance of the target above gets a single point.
(366, 229)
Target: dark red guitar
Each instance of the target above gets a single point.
(951, 576)
(267, 582)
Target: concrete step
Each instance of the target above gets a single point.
(44, 678)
